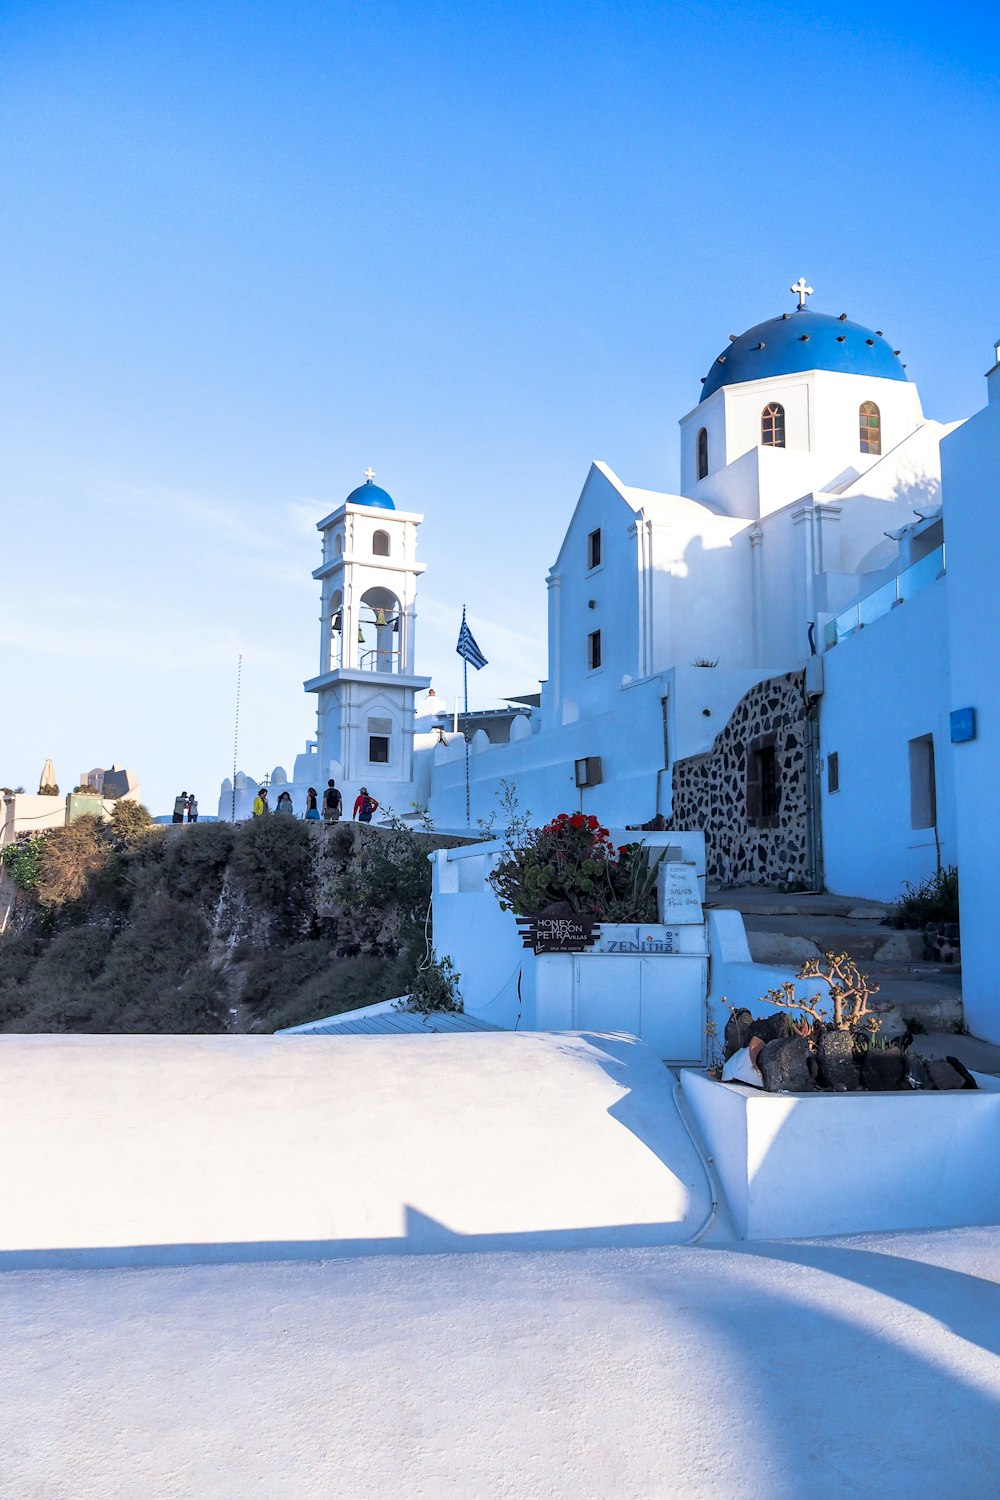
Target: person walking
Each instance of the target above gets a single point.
(364, 806)
(180, 808)
(312, 809)
(333, 803)
(260, 807)
(285, 804)
(192, 808)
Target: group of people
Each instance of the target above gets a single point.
(185, 804)
(365, 806)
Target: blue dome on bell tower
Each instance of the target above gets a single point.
(371, 494)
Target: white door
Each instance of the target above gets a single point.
(607, 993)
(672, 1006)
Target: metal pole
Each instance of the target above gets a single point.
(236, 728)
(465, 681)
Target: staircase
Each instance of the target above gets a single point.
(786, 929)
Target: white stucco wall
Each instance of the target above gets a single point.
(971, 470)
(629, 738)
(821, 436)
(885, 686)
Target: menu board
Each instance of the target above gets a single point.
(679, 897)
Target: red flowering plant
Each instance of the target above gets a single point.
(572, 862)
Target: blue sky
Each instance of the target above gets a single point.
(250, 249)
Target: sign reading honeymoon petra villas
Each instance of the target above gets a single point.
(561, 934)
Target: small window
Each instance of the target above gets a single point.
(703, 453)
(871, 427)
(833, 771)
(594, 651)
(923, 792)
(763, 784)
(772, 425)
(380, 544)
(378, 749)
(594, 549)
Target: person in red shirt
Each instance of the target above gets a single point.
(364, 806)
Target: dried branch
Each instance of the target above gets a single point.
(850, 994)
(850, 990)
(785, 998)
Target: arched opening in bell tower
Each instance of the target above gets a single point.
(380, 632)
(336, 632)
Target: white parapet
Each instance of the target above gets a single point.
(145, 1150)
(799, 1165)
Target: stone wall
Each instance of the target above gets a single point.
(752, 839)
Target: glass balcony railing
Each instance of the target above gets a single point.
(919, 576)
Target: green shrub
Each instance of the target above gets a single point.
(22, 861)
(194, 866)
(348, 984)
(72, 861)
(383, 886)
(272, 865)
(131, 824)
(933, 900)
(273, 977)
(434, 987)
(18, 957)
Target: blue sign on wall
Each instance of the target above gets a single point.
(963, 725)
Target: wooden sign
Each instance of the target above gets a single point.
(679, 897)
(569, 934)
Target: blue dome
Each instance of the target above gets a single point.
(370, 494)
(801, 341)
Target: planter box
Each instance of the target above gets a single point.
(798, 1165)
(650, 981)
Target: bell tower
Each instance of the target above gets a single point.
(365, 687)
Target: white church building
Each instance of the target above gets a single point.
(730, 657)
(768, 654)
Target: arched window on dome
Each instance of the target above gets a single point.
(703, 453)
(380, 544)
(772, 425)
(871, 427)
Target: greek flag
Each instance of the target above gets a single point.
(467, 647)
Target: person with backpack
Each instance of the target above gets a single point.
(333, 803)
(364, 806)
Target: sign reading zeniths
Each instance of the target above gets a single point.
(642, 940)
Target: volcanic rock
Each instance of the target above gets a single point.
(788, 1066)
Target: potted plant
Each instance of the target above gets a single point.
(820, 1124)
(599, 958)
(572, 864)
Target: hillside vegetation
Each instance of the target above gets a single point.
(125, 926)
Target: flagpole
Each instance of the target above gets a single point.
(465, 685)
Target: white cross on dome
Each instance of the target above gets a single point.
(801, 291)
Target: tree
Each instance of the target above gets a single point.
(130, 823)
(72, 859)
